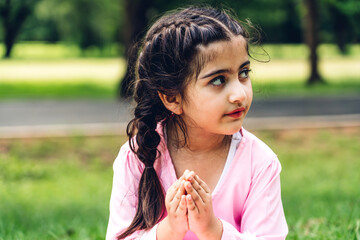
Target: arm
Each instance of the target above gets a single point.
(263, 216)
(123, 200)
(123, 204)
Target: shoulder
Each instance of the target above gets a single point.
(127, 164)
(256, 144)
(259, 155)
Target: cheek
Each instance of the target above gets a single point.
(250, 96)
(249, 92)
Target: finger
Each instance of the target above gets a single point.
(202, 184)
(182, 206)
(200, 190)
(170, 194)
(194, 194)
(189, 175)
(172, 191)
(191, 206)
(179, 193)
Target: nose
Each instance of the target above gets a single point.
(237, 92)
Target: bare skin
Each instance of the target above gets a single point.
(189, 207)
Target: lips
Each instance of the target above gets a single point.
(236, 113)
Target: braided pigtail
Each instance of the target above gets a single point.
(168, 59)
(151, 197)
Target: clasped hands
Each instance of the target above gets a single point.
(189, 207)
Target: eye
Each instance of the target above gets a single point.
(218, 81)
(244, 73)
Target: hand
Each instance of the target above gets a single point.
(175, 224)
(201, 217)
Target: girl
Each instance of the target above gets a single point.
(189, 170)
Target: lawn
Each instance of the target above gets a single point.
(59, 71)
(60, 188)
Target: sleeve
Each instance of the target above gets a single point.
(123, 201)
(263, 215)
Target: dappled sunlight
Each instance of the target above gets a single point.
(102, 71)
(298, 70)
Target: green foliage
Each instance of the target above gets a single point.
(87, 23)
(60, 188)
(13, 15)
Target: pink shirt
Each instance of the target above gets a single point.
(247, 199)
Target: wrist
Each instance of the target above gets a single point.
(214, 231)
(166, 231)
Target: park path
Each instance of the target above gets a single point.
(51, 118)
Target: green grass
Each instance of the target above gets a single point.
(63, 50)
(301, 52)
(60, 188)
(56, 90)
(299, 89)
(56, 188)
(320, 182)
(50, 51)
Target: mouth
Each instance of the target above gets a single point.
(236, 113)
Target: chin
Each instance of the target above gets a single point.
(232, 130)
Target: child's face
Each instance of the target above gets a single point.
(220, 97)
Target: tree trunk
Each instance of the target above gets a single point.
(135, 26)
(312, 39)
(13, 19)
(341, 26)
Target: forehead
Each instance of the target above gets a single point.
(222, 54)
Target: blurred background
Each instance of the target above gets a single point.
(64, 108)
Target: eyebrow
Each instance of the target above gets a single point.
(223, 70)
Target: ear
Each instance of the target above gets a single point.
(172, 103)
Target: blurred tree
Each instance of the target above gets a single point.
(341, 25)
(292, 23)
(88, 23)
(13, 14)
(312, 39)
(136, 20)
(344, 18)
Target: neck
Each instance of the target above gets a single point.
(197, 140)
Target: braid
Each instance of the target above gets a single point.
(150, 206)
(168, 58)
